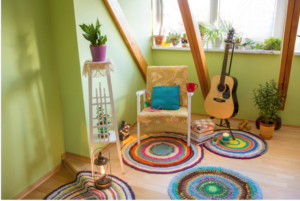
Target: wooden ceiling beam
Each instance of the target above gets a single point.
(193, 34)
(119, 18)
(289, 41)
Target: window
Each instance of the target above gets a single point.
(297, 46)
(255, 19)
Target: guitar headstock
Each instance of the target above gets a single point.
(230, 35)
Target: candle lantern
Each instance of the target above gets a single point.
(102, 172)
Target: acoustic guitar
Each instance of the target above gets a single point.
(221, 101)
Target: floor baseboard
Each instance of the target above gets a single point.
(38, 182)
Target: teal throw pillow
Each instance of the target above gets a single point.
(165, 98)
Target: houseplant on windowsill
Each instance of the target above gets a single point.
(269, 102)
(173, 38)
(238, 39)
(241, 46)
(93, 34)
(160, 38)
(248, 42)
(102, 120)
(213, 35)
(184, 40)
(273, 44)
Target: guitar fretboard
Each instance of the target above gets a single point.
(222, 81)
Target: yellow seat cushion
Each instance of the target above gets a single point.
(164, 116)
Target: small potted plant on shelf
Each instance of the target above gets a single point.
(248, 42)
(213, 35)
(269, 101)
(184, 40)
(204, 28)
(160, 38)
(215, 141)
(173, 38)
(226, 26)
(241, 46)
(102, 121)
(237, 39)
(272, 43)
(93, 34)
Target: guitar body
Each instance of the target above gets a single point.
(223, 104)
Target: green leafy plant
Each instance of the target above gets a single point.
(215, 139)
(248, 41)
(104, 117)
(93, 33)
(268, 100)
(225, 26)
(173, 38)
(184, 35)
(273, 43)
(238, 39)
(258, 46)
(298, 36)
(210, 32)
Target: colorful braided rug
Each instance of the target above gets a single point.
(83, 189)
(161, 153)
(245, 146)
(211, 183)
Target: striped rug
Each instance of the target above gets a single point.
(83, 189)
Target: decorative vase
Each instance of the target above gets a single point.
(98, 52)
(267, 130)
(184, 41)
(158, 39)
(247, 47)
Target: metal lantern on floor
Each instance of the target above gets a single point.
(102, 172)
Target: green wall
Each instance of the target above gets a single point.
(126, 80)
(250, 70)
(32, 131)
(63, 30)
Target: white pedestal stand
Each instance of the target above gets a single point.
(96, 70)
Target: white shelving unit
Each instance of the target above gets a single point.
(103, 100)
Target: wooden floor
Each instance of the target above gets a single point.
(277, 171)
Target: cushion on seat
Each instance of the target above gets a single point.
(169, 76)
(164, 116)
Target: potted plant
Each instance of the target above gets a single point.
(103, 121)
(237, 39)
(160, 38)
(226, 26)
(269, 101)
(273, 43)
(93, 34)
(248, 42)
(203, 28)
(173, 38)
(213, 35)
(184, 40)
(215, 141)
(241, 46)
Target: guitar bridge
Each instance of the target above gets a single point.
(219, 100)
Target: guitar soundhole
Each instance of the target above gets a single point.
(221, 87)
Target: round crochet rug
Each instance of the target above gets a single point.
(211, 183)
(161, 153)
(245, 146)
(83, 189)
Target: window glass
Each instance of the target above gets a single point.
(172, 20)
(297, 46)
(251, 18)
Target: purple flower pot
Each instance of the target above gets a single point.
(98, 52)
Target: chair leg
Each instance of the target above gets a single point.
(139, 133)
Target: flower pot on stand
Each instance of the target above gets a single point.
(158, 39)
(266, 130)
(98, 52)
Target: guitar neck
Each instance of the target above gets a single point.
(222, 81)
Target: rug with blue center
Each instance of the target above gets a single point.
(245, 146)
(210, 183)
(161, 153)
(83, 188)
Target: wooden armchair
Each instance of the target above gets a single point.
(166, 76)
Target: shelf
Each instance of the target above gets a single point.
(112, 137)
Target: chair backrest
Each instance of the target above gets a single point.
(169, 76)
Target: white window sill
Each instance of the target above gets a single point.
(179, 48)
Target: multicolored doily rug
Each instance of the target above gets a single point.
(161, 153)
(83, 189)
(245, 146)
(210, 183)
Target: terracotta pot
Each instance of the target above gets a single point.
(174, 44)
(266, 130)
(158, 39)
